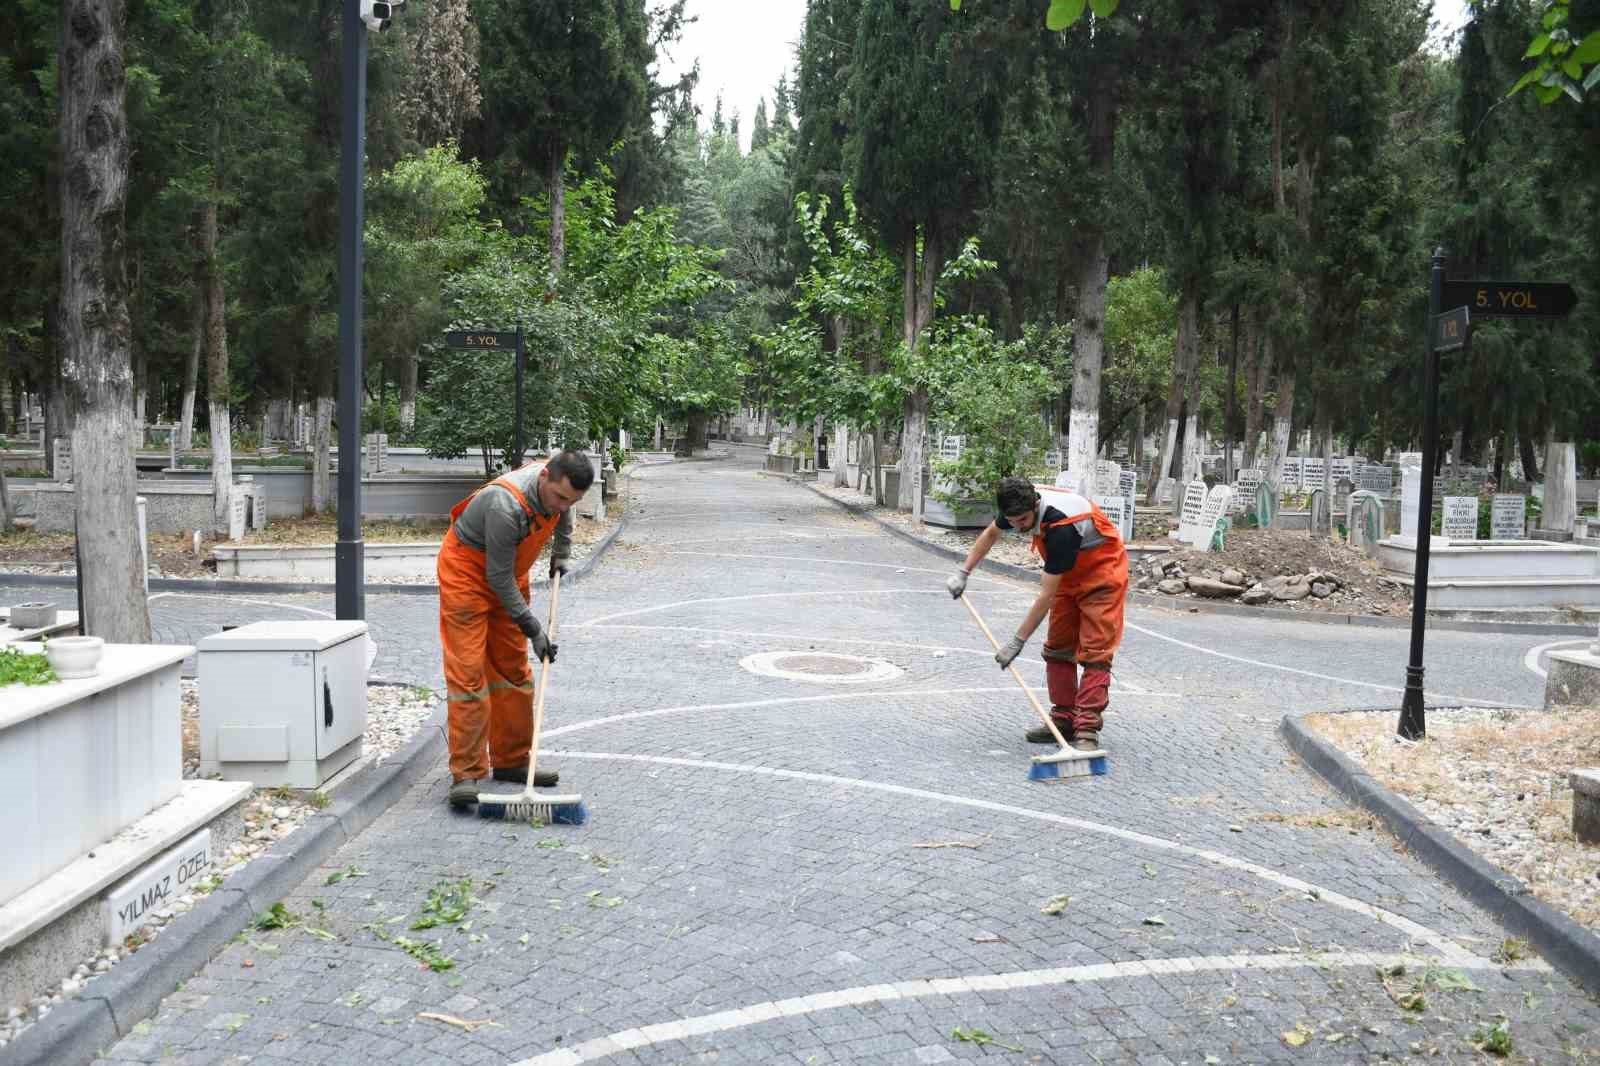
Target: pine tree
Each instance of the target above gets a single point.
(760, 134)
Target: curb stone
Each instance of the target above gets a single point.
(1145, 599)
(109, 1008)
(1565, 944)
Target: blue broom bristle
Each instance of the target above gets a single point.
(548, 813)
(1043, 771)
(1052, 771)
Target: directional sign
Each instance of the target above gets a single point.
(1511, 299)
(481, 339)
(1450, 330)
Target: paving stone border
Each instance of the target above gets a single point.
(109, 1008)
(1568, 946)
(1146, 599)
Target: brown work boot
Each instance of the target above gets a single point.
(518, 775)
(463, 792)
(1086, 742)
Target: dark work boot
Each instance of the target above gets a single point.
(518, 775)
(1061, 717)
(463, 792)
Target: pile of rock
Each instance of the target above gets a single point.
(1168, 576)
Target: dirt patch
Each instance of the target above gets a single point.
(1339, 578)
(1497, 780)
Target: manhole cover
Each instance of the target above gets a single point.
(819, 666)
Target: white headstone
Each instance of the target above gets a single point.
(1378, 478)
(63, 458)
(1460, 518)
(139, 504)
(172, 449)
(1127, 483)
(238, 511)
(950, 448)
(1410, 493)
(1190, 515)
(1508, 517)
(1120, 511)
(1292, 473)
(1341, 467)
(1313, 473)
(1106, 476)
(1216, 505)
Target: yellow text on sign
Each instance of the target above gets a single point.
(1517, 299)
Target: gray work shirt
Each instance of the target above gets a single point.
(495, 524)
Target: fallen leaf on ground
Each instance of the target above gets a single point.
(973, 844)
(1155, 919)
(469, 1024)
(1056, 905)
(1297, 1036)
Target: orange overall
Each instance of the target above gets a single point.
(1085, 619)
(486, 671)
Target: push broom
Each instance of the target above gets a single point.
(530, 806)
(1064, 762)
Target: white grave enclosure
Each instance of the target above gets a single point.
(1460, 518)
(1508, 518)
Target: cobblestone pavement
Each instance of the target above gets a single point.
(834, 854)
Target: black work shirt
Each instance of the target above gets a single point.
(1061, 544)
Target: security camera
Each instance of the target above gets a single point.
(377, 13)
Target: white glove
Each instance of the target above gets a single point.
(957, 584)
(1011, 649)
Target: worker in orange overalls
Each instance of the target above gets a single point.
(486, 624)
(1084, 587)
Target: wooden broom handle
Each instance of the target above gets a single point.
(1043, 714)
(544, 681)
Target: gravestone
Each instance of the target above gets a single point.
(1166, 490)
(1410, 492)
(1508, 517)
(1118, 510)
(1215, 507)
(1292, 473)
(1364, 520)
(1460, 518)
(1106, 476)
(1052, 460)
(258, 505)
(1266, 504)
(62, 447)
(1244, 489)
(1314, 474)
(1341, 467)
(238, 511)
(1320, 520)
(1127, 483)
(1377, 478)
(950, 448)
(1191, 513)
(172, 451)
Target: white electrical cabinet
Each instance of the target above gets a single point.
(283, 703)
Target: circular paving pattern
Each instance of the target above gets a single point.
(822, 667)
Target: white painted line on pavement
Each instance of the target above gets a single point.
(757, 1013)
(1531, 660)
(236, 599)
(1312, 673)
(788, 535)
(1452, 951)
(833, 562)
(1116, 681)
(753, 596)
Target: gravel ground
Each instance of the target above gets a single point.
(1497, 780)
(394, 714)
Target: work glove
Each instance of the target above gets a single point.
(957, 584)
(539, 641)
(558, 565)
(1010, 650)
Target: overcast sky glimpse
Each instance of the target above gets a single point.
(744, 45)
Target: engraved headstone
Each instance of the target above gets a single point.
(1508, 517)
(1320, 519)
(1127, 482)
(1365, 521)
(1215, 506)
(1410, 491)
(1378, 478)
(62, 447)
(1460, 518)
(172, 450)
(1292, 473)
(238, 512)
(1190, 515)
(1341, 467)
(1266, 504)
(1118, 510)
(1314, 474)
(1244, 489)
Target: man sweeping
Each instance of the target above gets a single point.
(1084, 587)
(486, 624)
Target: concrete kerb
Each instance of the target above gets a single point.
(1565, 944)
(1145, 599)
(112, 1005)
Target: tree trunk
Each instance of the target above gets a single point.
(556, 179)
(918, 315)
(191, 370)
(1255, 407)
(1088, 356)
(408, 391)
(322, 443)
(1136, 442)
(1188, 314)
(217, 386)
(95, 331)
(1282, 420)
(58, 418)
(1232, 402)
(1530, 457)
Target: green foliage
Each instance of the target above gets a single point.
(19, 668)
(1566, 62)
(1061, 14)
(448, 903)
(990, 394)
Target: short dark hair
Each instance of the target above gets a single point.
(575, 467)
(1015, 496)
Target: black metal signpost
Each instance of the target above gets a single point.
(497, 341)
(1449, 331)
(349, 556)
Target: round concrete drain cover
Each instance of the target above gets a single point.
(822, 667)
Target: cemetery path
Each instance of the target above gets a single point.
(813, 839)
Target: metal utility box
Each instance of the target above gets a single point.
(283, 703)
